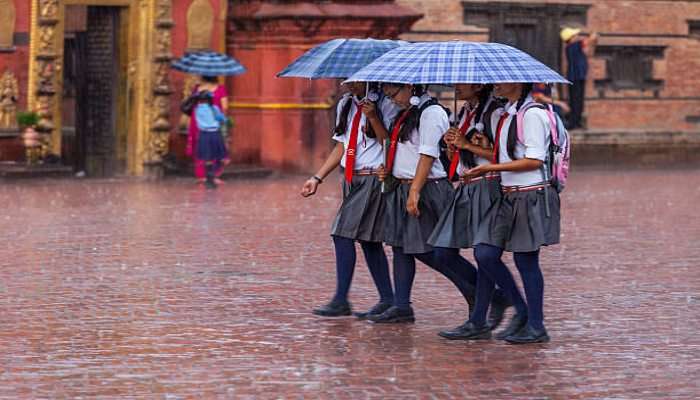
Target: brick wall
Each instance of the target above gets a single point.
(674, 107)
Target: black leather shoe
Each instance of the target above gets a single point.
(528, 335)
(375, 310)
(496, 311)
(334, 309)
(468, 331)
(515, 324)
(394, 315)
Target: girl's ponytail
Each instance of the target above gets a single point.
(342, 127)
(513, 130)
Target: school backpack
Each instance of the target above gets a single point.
(556, 168)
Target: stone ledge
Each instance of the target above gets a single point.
(634, 137)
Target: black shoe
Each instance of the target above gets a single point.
(210, 184)
(394, 315)
(497, 310)
(468, 331)
(334, 309)
(515, 324)
(375, 310)
(528, 335)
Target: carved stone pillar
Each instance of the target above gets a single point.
(45, 68)
(159, 140)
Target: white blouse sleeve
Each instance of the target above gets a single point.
(536, 134)
(433, 124)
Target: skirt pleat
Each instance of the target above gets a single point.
(361, 214)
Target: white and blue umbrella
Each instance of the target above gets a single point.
(208, 63)
(456, 62)
(337, 58)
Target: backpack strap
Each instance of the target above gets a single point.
(550, 115)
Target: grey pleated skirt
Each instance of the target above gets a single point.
(361, 213)
(459, 223)
(518, 222)
(408, 232)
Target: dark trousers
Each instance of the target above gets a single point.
(345, 258)
(577, 94)
(461, 273)
(493, 271)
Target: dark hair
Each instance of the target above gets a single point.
(484, 94)
(412, 120)
(342, 126)
(210, 79)
(513, 129)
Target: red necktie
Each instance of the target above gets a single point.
(352, 146)
(455, 155)
(394, 140)
(497, 141)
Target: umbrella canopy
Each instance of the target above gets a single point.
(456, 62)
(208, 63)
(337, 58)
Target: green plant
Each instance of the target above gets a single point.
(27, 118)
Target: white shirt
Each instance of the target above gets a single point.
(433, 124)
(369, 151)
(461, 169)
(536, 135)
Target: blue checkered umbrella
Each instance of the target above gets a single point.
(208, 63)
(456, 62)
(337, 58)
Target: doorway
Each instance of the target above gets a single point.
(94, 130)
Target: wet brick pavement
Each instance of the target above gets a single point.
(130, 289)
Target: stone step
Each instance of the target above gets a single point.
(16, 170)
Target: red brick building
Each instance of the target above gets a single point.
(97, 71)
(643, 83)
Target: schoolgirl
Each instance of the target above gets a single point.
(220, 100)
(359, 130)
(470, 145)
(523, 220)
(420, 195)
(211, 149)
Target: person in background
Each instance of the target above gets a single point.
(546, 94)
(208, 84)
(578, 48)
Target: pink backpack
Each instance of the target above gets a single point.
(556, 168)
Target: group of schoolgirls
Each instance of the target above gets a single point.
(405, 196)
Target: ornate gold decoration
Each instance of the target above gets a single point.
(161, 81)
(7, 23)
(164, 10)
(163, 41)
(45, 111)
(158, 142)
(47, 34)
(48, 9)
(200, 25)
(45, 77)
(9, 94)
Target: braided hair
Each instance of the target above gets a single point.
(513, 129)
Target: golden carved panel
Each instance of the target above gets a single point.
(200, 25)
(9, 95)
(7, 23)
